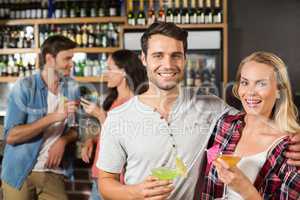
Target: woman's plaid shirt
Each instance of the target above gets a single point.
(276, 180)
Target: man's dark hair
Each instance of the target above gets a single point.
(53, 45)
(167, 29)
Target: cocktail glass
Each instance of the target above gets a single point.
(232, 161)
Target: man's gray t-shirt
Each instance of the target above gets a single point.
(135, 134)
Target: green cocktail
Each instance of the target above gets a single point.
(164, 173)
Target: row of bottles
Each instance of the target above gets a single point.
(23, 9)
(87, 67)
(34, 9)
(18, 65)
(16, 37)
(179, 12)
(90, 8)
(85, 35)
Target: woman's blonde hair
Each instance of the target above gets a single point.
(284, 112)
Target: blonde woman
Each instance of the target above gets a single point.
(259, 136)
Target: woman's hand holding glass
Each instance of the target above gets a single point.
(233, 177)
(93, 109)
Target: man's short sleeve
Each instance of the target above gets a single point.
(112, 156)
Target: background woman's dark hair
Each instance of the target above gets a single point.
(136, 75)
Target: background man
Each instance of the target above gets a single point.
(36, 132)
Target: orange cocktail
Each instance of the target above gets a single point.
(231, 160)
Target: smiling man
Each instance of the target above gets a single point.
(36, 132)
(164, 125)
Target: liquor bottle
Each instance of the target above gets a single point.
(58, 9)
(101, 9)
(87, 71)
(91, 40)
(177, 12)
(208, 12)
(39, 10)
(97, 36)
(65, 10)
(141, 17)
(217, 12)
(85, 36)
(103, 37)
(130, 13)
(103, 62)
(113, 7)
(200, 12)
(185, 18)
(12, 10)
(71, 33)
(193, 12)
(78, 36)
(151, 13)
(161, 13)
(44, 9)
(83, 8)
(170, 14)
(2, 10)
(23, 6)
(72, 11)
(93, 11)
(112, 35)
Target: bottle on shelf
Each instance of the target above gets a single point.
(84, 36)
(141, 17)
(208, 12)
(113, 8)
(177, 12)
(193, 12)
(101, 8)
(130, 13)
(217, 12)
(103, 36)
(91, 36)
(170, 14)
(161, 12)
(3, 65)
(83, 9)
(93, 10)
(78, 36)
(44, 7)
(185, 19)
(200, 12)
(58, 9)
(151, 13)
(73, 9)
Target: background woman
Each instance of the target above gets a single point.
(259, 136)
(126, 77)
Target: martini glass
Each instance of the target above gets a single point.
(232, 161)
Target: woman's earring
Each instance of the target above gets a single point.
(278, 94)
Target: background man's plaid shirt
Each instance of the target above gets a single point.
(276, 180)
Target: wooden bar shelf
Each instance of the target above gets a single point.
(185, 26)
(92, 79)
(77, 20)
